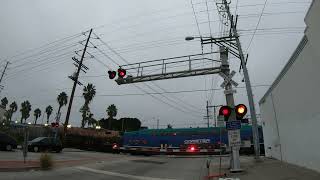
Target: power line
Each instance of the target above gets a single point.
(174, 92)
(144, 83)
(264, 6)
(45, 45)
(195, 17)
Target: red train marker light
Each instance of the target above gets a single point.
(225, 111)
(241, 111)
(121, 73)
(112, 74)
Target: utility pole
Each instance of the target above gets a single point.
(247, 82)
(235, 157)
(3, 72)
(157, 123)
(75, 78)
(207, 114)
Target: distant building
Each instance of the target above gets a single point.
(290, 108)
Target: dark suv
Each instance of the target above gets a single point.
(6, 142)
(45, 144)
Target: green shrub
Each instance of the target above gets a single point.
(46, 161)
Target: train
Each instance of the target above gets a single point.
(212, 140)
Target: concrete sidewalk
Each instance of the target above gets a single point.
(266, 169)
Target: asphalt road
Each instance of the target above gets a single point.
(127, 167)
(122, 167)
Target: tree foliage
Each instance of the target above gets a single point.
(37, 114)
(13, 108)
(89, 92)
(49, 110)
(4, 102)
(129, 124)
(62, 100)
(25, 110)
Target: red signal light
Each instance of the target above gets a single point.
(114, 146)
(112, 74)
(121, 72)
(225, 111)
(192, 148)
(241, 110)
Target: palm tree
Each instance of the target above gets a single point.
(4, 102)
(84, 110)
(13, 108)
(91, 120)
(25, 110)
(62, 100)
(37, 114)
(112, 112)
(49, 110)
(89, 92)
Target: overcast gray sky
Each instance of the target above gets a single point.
(139, 30)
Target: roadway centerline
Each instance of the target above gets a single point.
(119, 174)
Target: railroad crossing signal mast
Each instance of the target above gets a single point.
(184, 66)
(232, 42)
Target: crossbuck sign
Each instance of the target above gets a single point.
(228, 79)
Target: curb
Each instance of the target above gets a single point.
(21, 169)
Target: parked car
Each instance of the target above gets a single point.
(7, 143)
(45, 144)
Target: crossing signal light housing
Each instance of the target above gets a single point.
(225, 111)
(121, 72)
(112, 74)
(241, 111)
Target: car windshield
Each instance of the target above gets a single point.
(38, 139)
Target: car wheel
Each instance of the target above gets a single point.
(36, 149)
(8, 147)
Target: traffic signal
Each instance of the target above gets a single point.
(121, 72)
(241, 111)
(112, 74)
(225, 111)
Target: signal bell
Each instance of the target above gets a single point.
(112, 74)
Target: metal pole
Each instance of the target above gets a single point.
(247, 82)
(208, 114)
(235, 162)
(3, 72)
(157, 123)
(214, 116)
(75, 85)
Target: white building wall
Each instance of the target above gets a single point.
(293, 103)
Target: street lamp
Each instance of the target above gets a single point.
(189, 38)
(69, 126)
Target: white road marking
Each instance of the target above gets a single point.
(120, 175)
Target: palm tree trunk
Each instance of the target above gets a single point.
(21, 121)
(58, 113)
